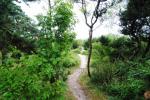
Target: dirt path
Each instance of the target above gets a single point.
(74, 86)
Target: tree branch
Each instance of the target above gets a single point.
(84, 12)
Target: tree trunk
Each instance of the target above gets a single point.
(90, 51)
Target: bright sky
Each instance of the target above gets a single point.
(109, 26)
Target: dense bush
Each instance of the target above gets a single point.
(131, 89)
(30, 78)
(117, 72)
(131, 81)
(103, 73)
(34, 77)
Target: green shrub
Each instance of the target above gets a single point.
(103, 70)
(101, 52)
(119, 73)
(71, 60)
(32, 78)
(131, 80)
(103, 73)
(131, 89)
(104, 40)
(77, 44)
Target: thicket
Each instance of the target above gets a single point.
(34, 58)
(115, 72)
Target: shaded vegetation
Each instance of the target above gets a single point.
(115, 72)
(35, 61)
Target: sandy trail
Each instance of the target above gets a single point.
(73, 84)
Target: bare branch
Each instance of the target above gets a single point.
(84, 12)
(95, 13)
(49, 3)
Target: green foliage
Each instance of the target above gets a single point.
(30, 78)
(56, 38)
(135, 22)
(71, 60)
(130, 89)
(77, 44)
(77, 50)
(104, 40)
(38, 75)
(103, 73)
(131, 81)
(85, 52)
(116, 73)
(85, 44)
(56, 29)
(118, 48)
(63, 17)
(14, 27)
(101, 52)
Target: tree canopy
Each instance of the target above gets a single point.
(135, 21)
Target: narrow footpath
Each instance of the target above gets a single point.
(73, 84)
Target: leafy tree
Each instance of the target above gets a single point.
(39, 75)
(55, 38)
(135, 21)
(15, 25)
